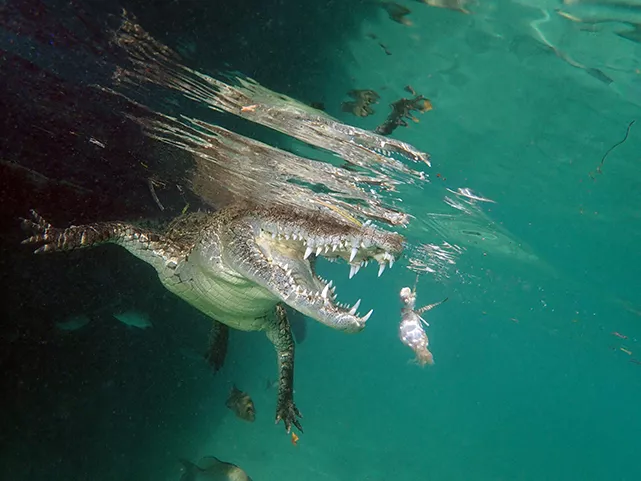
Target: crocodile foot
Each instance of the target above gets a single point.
(288, 413)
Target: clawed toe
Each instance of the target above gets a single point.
(289, 414)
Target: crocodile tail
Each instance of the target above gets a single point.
(76, 237)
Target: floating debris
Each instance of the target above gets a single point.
(402, 109)
(627, 133)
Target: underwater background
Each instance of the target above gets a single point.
(537, 370)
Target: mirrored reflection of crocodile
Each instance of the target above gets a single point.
(240, 266)
(360, 106)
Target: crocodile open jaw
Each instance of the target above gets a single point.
(292, 248)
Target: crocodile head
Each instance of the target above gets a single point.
(276, 248)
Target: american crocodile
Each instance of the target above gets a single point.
(239, 266)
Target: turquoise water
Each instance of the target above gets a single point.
(535, 374)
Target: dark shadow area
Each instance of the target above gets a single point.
(67, 151)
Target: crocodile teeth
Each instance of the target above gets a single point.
(391, 261)
(353, 270)
(325, 290)
(353, 254)
(308, 252)
(352, 311)
(381, 268)
(334, 247)
(367, 316)
(319, 249)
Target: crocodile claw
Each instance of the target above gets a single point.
(289, 414)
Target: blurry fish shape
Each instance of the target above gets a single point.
(73, 323)
(411, 329)
(397, 12)
(210, 468)
(241, 404)
(456, 5)
(135, 319)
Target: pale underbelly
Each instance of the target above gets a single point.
(240, 306)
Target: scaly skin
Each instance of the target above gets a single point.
(239, 265)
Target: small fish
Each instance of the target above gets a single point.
(210, 468)
(241, 404)
(619, 335)
(295, 438)
(385, 49)
(269, 384)
(136, 319)
(411, 329)
(73, 323)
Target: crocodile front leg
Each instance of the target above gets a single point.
(280, 334)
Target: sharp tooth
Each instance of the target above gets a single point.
(366, 316)
(326, 248)
(331, 283)
(325, 291)
(352, 311)
(273, 235)
(391, 261)
(353, 254)
(287, 236)
(351, 271)
(381, 268)
(319, 249)
(334, 247)
(308, 252)
(366, 263)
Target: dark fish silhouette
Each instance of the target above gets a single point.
(241, 404)
(210, 468)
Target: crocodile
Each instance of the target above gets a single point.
(240, 265)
